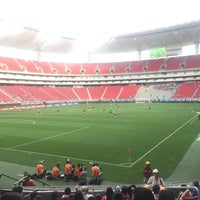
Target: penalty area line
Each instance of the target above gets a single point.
(47, 138)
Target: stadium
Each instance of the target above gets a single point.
(118, 101)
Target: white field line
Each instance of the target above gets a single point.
(14, 121)
(110, 164)
(58, 156)
(47, 138)
(166, 138)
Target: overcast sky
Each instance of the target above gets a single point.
(92, 22)
(82, 18)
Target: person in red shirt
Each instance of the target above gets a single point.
(28, 181)
(147, 171)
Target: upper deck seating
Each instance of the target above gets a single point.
(105, 68)
(121, 67)
(174, 63)
(137, 66)
(155, 65)
(89, 68)
(10, 64)
(74, 68)
(192, 62)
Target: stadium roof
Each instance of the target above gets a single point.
(63, 26)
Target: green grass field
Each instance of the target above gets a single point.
(161, 135)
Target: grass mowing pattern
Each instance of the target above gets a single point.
(161, 135)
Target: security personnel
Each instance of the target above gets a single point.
(147, 171)
(56, 171)
(41, 171)
(68, 170)
(95, 170)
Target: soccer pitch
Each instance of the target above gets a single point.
(84, 133)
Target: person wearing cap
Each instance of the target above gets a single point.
(156, 179)
(41, 171)
(85, 192)
(147, 171)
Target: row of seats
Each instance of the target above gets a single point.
(25, 93)
(174, 63)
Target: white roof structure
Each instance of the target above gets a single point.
(98, 26)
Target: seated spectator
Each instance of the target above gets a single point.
(66, 194)
(187, 195)
(142, 193)
(54, 195)
(108, 195)
(166, 195)
(124, 192)
(85, 192)
(78, 195)
(117, 196)
(11, 196)
(156, 190)
(196, 190)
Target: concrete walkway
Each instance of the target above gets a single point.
(189, 168)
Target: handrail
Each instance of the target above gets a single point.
(8, 177)
(20, 180)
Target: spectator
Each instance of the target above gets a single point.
(166, 195)
(117, 188)
(78, 195)
(108, 195)
(187, 195)
(156, 190)
(142, 193)
(12, 196)
(196, 190)
(124, 192)
(54, 195)
(117, 196)
(85, 192)
(156, 179)
(147, 171)
(66, 194)
(131, 190)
